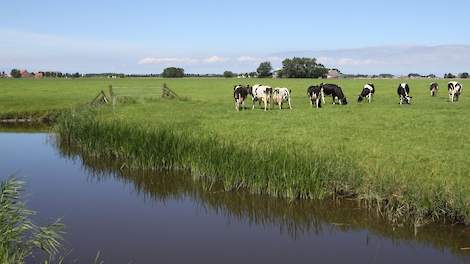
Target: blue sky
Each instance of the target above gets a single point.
(213, 36)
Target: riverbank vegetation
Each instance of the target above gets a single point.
(21, 238)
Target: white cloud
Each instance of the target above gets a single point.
(150, 60)
(345, 61)
(398, 59)
(35, 51)
(248, 59)
(215, 59)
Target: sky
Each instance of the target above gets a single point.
(206, 36)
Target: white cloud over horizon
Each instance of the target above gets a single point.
(49, 52)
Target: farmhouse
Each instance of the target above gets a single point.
(25, 74)
(277, 73)
(333, 74)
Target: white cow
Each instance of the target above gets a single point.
(281, 95)
(455, 89)
(262, 93)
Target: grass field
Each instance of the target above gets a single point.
(410, 160)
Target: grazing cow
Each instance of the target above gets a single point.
(240, 93)
(403, 92)
(335, 91)
(314, 93)
(433, 87)
(281, 95)
(262, 93)
(367, 92)
(455, 89)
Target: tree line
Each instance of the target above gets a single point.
(15, 73)
(291, 68)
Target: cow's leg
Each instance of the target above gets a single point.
(253, 100)
(265, 104)
(370, 98)
(290, 106)
(323, 96)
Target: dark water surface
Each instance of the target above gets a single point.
(143, 217)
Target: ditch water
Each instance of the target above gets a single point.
(144, 217)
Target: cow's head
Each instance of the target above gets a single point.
(285, 96)
(249, 89)
(269, 91)
(360, 98)
(343, 101)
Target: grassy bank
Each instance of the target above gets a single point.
(408, 160)
(280, 170)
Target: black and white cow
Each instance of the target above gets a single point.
(335, 91)
(281, 95)
(240, 93)
(314, 93)
(455, 89)
(433, 87)
(262, 93)
(367, 92)
(403, 92)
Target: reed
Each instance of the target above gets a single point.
(20, 237)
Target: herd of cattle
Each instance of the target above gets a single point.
(268, 96)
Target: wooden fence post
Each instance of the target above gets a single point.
(113, 97)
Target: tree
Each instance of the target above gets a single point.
(386, 75)
(414, 75)
(76, 75)
(449, 76)
(464, 75)
(15, 73)
(302, 68)
(265, 69)
(228, 74)
(173, 72)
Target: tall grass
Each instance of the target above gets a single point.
(20, 238)
(265, 168)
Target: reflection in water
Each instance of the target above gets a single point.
(295, 218)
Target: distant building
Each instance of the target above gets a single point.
(277, 73)
(25, 74)
(333, 74)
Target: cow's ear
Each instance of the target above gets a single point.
(290, 91)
